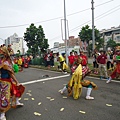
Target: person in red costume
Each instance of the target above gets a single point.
(116, 71)
(85, 68)
(71, 60)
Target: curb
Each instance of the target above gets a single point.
(46, 68)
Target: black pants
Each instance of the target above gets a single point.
(109, 65)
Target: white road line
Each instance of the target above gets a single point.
(103, 79)
(46, 79)
(46, 70)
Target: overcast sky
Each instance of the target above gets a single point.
(49, 13)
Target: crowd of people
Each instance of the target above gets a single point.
(79, 69)
(22, 61)
(49, 59)
(106, 62)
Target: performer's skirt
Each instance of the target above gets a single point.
(7, 90)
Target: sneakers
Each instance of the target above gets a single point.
(19, 104)
(61, 92)
(108, 81)
(64, 72)
(89, 98)
(2, 116)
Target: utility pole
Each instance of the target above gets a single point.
(65, 33)
(93, 32)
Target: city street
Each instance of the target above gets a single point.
(42, 100)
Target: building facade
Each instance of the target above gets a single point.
(16, 43)
(113, 33)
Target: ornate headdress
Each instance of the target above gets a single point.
(4, 51)
(118, 48)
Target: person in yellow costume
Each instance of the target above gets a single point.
(63, 65)
(76, 83)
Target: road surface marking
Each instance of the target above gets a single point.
(52, 78)
(46, 79)
(46, 70)
(103, 79)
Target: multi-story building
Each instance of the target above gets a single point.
(113, 33)
(72, 44)
(16, 43)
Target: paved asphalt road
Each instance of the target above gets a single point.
(42, 101)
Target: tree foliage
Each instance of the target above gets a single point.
(85, 34)
(111, 43)
(35, 39)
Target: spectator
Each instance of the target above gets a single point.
(102, 61)
(110, 59)
(51, 59)
(95, 65)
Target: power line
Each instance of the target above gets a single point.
(56, 17)
(95, 18)
(87, 22)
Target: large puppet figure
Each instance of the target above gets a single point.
(76, 83)
(116, 72)
(9, 85)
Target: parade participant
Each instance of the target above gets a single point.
(9, 85)
(116, 72)
(20, 63)
(76, 83)
(63, 65)
(102, 61)
(71, 60)
(85, 68)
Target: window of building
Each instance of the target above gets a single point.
(118, 38)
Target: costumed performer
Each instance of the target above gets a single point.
(116, 72)
(76, 83)
(9, 85)
(63, 65)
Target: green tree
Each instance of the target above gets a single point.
(85, 34)
(111, 43)
(35, 39)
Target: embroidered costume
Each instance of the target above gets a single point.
(76, 83)
(116, 72)
(9, 86)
